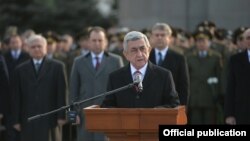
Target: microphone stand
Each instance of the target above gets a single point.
(131, 85)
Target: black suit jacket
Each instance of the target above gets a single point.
(4, 87)
(36, 94)
(12, 63)
(158, 89)
(177, 64)
(237, 98)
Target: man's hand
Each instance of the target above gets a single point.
(230, 120)
(61, 122)
(77, 120)
(17, 127)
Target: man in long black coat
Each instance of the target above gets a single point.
(13, 57)
(40, 87)
(237, 99)
(163, 56)
(4, 96)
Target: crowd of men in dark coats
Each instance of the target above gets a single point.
(210, 69)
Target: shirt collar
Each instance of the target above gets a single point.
(16, 51)
(163, 52)
(37, 61)
(142, 70)
(100, 55)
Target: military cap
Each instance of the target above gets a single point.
(221, 34)
(176, 31)
(204, 34)
(206, 23)
(51, 37)
(238, 33)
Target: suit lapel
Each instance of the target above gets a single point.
(31, 70)
(127, 75)
(245, 61)
(149, 75)
(127, 78)
(168, 57)
(9, 56)
(165, 62)
(152, 56)
(89, 64)
(43, 68)
(103, 64)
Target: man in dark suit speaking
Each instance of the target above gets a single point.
(158, 85)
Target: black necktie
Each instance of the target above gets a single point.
(37, 66)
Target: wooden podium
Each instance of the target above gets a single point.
(132, 124)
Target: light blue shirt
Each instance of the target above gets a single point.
(16, 53)
(163, 54)
(35, 61)
(203, 53)
(94, 58)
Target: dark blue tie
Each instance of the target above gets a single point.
(160, 59)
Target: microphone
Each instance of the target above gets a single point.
(138, 81)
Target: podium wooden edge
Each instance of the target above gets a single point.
(179, 111)
(132, 124)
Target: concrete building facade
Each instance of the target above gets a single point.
(186, 14)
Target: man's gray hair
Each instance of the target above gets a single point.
(133, 36)
(246, 32)
(36, 37)
(164, 27)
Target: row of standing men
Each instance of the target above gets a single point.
(42, 90)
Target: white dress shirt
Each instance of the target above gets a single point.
(142, 70)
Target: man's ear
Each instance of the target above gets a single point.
(149, 49)
(125, 54)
